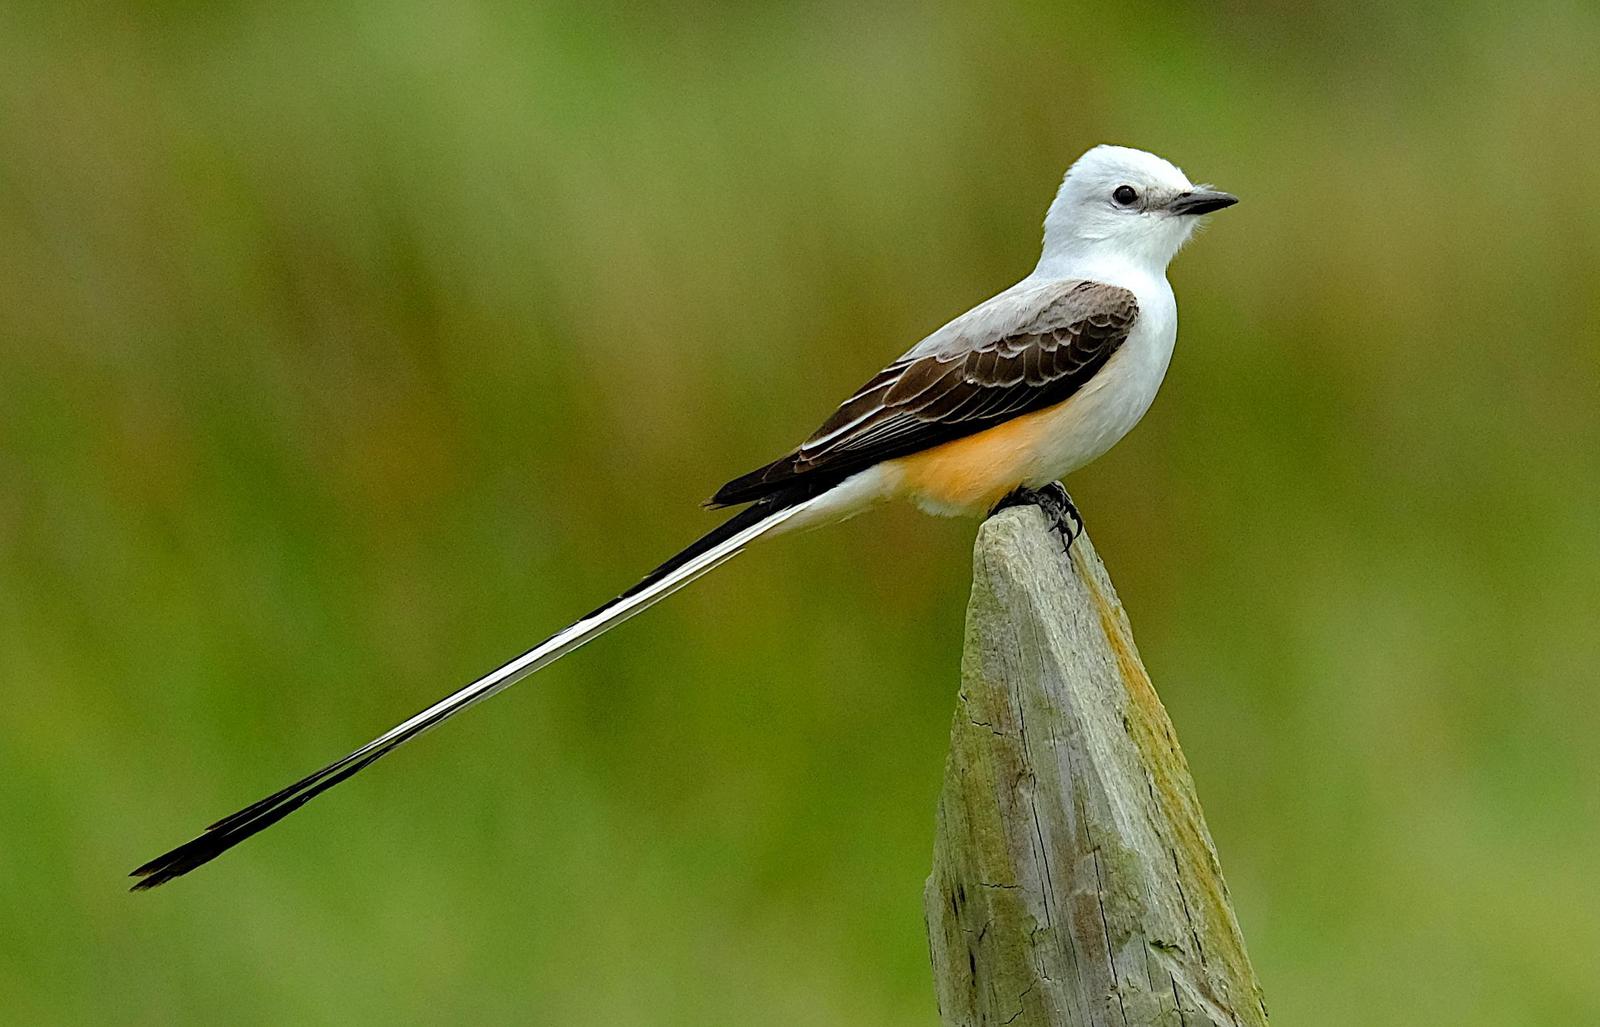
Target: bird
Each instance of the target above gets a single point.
(989, 411)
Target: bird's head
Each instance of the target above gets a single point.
(1122, 204)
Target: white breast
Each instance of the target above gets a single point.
(1103, 411)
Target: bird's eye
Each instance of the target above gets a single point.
(1125, 195)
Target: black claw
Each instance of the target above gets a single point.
(1057, 506)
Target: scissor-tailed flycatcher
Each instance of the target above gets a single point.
(1002, 401)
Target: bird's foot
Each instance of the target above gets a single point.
(1057, 506)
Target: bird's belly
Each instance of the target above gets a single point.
(971, 475)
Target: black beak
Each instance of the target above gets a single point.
(1201, 201)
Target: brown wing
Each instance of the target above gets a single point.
(957, 383)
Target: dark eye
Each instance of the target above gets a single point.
(1125, 195)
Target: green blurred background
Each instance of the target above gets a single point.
(348, 349)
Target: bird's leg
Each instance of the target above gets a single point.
(1057, 506)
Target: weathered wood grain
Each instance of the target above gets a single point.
(1074, 879)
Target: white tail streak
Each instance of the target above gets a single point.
(707, 554)
(579, 632)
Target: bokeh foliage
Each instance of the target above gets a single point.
(348, 348)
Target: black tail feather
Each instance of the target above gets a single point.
(230, 831)
(258, 816)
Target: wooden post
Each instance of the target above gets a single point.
(1074, 880)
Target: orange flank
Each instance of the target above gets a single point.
(975, 473)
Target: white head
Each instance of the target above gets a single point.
(1124, 205)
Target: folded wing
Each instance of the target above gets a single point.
(1027, 349)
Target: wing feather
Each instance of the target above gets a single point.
(1026, 350)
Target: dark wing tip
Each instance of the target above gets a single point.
(758, 484)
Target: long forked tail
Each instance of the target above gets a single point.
(705, 554)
